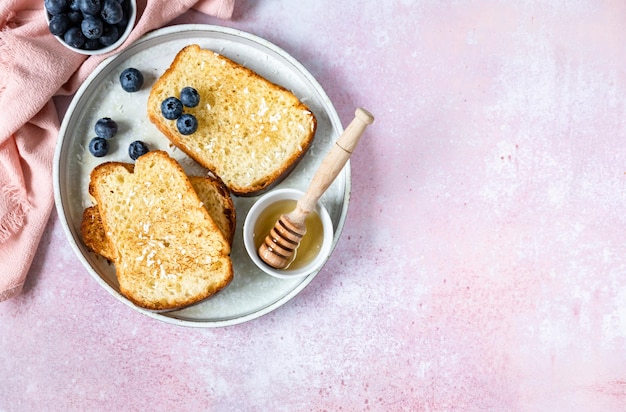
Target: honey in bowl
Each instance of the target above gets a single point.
(311, 241)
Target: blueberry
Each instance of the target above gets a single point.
(75, 17)
(55, 6)
(137, 148)
(189, 96)
(91, 7)
(131, 79)
(92, 44)
(74, 5)
(59, 23)
(74, 37)
(98, 146)
(187, 124)
(111, 12)
(110, 35)
(171, 108)
(106, 128)
(121, 26)
(92, 27)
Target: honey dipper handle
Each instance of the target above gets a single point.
(335, 160)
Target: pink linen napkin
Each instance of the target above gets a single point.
(34, 67)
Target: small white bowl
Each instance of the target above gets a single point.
(129, 27)
(249, 237)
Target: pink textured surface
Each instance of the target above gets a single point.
(482, 265)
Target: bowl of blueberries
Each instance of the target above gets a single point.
(91, 26)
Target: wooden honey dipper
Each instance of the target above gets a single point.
(280, 244)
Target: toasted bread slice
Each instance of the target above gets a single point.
(217, 201)
(251, 132)
(94, 235)
(168, 251)
(211, 192)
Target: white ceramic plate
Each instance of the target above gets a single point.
(251, 293)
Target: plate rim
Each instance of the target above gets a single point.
(169, 317)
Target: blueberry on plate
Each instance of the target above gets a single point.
(98, 146)
(187, 124)
(137, 148)
(92, 27)
(74, 37)
(55, 6)
(112, 12)
(59, 23)
(131, 79)
(106, 128)
(171, 108)
(189, 96)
